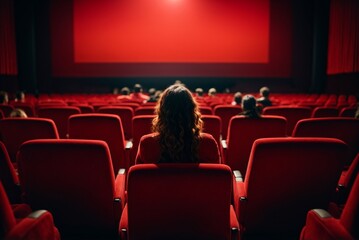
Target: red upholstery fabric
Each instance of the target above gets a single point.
(38, 225)
(321, 225)
(345, 129)
(285, 178)
(347, 112)
(242, 132)
(74, 180)
(84, 108)
(15, 131)
(149, 110)
(320, 112)
(126, 115)
(27, 107)
(347, 178)
(212, 125)
(292, 113)
(178, 201)
(141, 125)
(8, 176)
(59, 115)
(205, 110)
(226, 112)
(106, 127)
(149, 149)
(6, 109)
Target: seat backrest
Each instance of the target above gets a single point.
(148, 110)
(7, 218)
(286, 177)
(212, 125)
(141, 125)
(320, 112)
(345, 129)
(125, 113)
(242, 132)
(101, 126)
(8, 176)
(74, 180)
(6, 109)
(59, 115)
(27, 107)
(226, 112)
(15, 131)
(292, 113)
(350, 216)
(84, 108)
(347, 112)
(179, 201)
(205, 110)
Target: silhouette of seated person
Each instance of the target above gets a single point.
(249, 106)
(177, 132)
(212, 97)
(237, 98)
(20, 96)
(125, 94)
(4, 97)
(137, 95)
(264, 100)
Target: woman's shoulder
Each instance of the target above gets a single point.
(151, 137)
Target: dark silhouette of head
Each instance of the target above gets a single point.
(249, 106)
(264, 91)
(238, 98)
(137, 88)
(4, 97)
(179, 125)
(125, 91)
(199, 92)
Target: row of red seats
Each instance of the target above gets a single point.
(286, 177)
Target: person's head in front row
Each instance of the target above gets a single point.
(178, 124)
(17, 112)
(249, 106)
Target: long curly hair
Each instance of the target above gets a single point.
(178, 124)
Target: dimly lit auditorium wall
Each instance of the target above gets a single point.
(317, 63)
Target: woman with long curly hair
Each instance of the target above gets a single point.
(177, 136)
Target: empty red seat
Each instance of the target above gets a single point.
(179, 201)
(59, 115)
(321, 225)
(6, 109)
(15, 131)
(212, 125)
(226, 112)
(242, 132)
(292, 113)
(149, 110)
(37, 225)
(320, 112)
(106, 127)
(286, 177)
(74, 180)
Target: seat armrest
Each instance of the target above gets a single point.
(238, 175)
(239, 198)
(321, 225)
(120, 186)
(234, 224)
(123, 226)
(37, 225)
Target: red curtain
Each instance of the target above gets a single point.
(8, 65)
(343, 45)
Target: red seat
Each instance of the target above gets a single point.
(125, 113)
(346, 129)
(226, 112)
(15, 131)
(204, 110)
(6, 109)
(212, 125)
(321, 225)
(320, 112)
(37, 225)
(149, 110)
(8, 176)
(286, 177)
(292, 113)
(106, 127)
(84, 108)
(59, 115)
(179, 201)
(28, 108)
(78, 186)
(348, 112)
(141, 125)
(242, 132)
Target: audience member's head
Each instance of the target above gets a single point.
(17, 112)
(212, 92)
(264, 92)
(125, 91)
(249, 106)
(137, 88)
(179, 125)
(19, 96)
(199, 92)
(115, 91)
(237, 98)
(152, 91)
(4, 97)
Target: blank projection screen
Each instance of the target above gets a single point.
(165, 38)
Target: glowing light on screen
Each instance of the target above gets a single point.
(171, 31)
